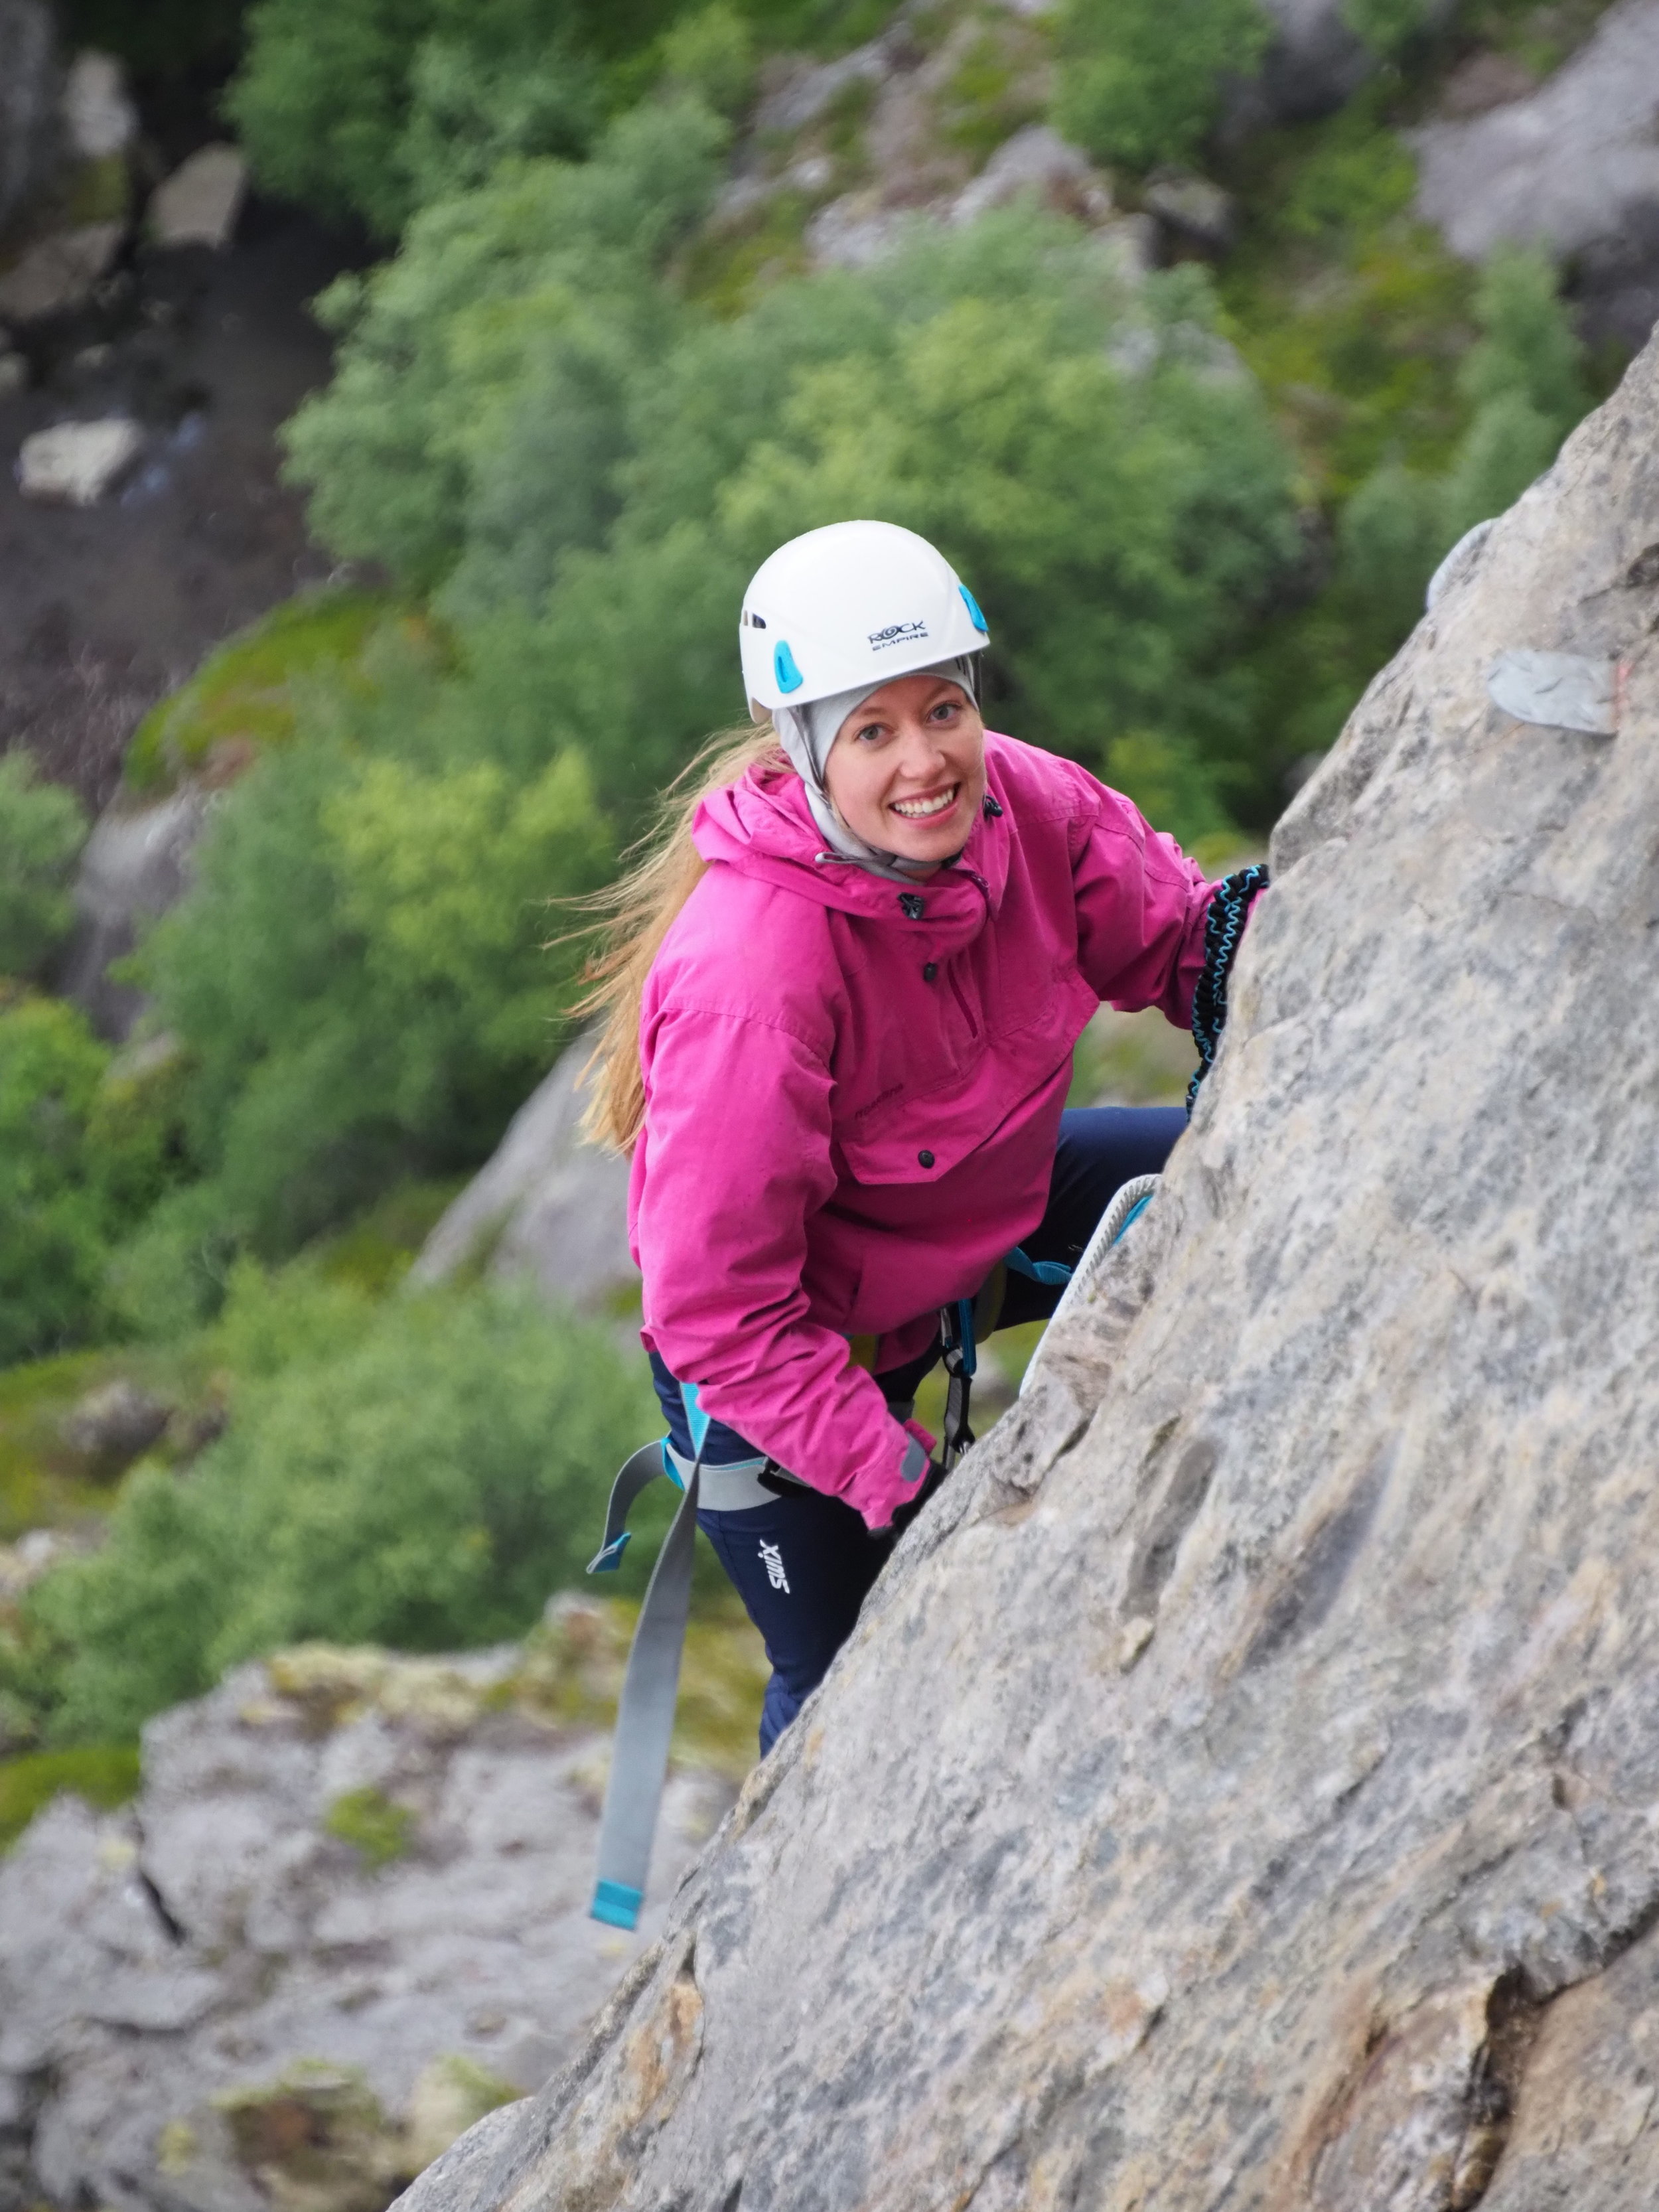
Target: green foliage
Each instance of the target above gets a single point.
(106, 1775)
(371, 109)
(54, 1212)
(1420, 395)
(245, 695)
(423, 1480)
(379, 1830)
(1138, 81)
(1086, 454)
(711, 55)
(494, 351)
(1386, 25)
(1527, 349)
(42, 829)
(357, 977)
(1526, 382)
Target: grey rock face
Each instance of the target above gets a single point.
(547, 1206)
(1239, 1790)
(198, 204)
(77, 464)
(60, 272)
(28, 101)
(1574, 168)
(135, 865)
(98, 118)
(189, 1987)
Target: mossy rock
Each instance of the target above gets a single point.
(106, 1775)
(378, 1828)
(316, 2139)
(246, 695)
(45, 1481)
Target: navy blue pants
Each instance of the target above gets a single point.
(804, 1564)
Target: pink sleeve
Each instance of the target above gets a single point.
(736, 1138)
(1141, 906)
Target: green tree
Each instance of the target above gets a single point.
(89, 1143)
(42, 831)
(366, 107)
(495, 350)
(1525, 383)
(53, 1214)
(423, 1480)
(1386, 25)
(1140, 81)
(358, 979)
(711, 54)
(1526, 380)
(1117, 496)
(1090, 455)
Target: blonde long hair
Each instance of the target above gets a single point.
(634, 915)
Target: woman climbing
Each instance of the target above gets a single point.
(842, 1002)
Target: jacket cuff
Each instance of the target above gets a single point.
(877, 1493)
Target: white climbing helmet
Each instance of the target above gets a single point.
(847, 607)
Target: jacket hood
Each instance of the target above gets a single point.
(762, 827)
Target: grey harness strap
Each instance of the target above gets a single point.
(645, 1714)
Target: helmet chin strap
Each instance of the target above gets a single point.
(806, 734)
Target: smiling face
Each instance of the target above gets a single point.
(907, 770)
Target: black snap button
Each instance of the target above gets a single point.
(926, 1158)
(929, 971)
(912, 906)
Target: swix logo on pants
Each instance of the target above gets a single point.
(772, 1559)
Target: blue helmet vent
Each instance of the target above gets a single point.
(783, 667)
(973, 614)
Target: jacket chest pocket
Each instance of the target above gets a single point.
(902, 1035)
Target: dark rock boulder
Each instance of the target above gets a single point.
(29, 88)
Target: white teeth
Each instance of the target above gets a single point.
(917, 809)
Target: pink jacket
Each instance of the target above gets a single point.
(851, 1110)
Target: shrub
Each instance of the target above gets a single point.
(42, 829)
(357, 976)
(424, 1481)
(1091, 456)
(106, 1775)
(1138, 81)
(1386, 27)
(1525, 381)
(366, 107)
(54, 1216)
(496, 349)
(711, 54)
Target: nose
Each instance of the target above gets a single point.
(921, 752)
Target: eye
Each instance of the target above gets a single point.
(872, 733)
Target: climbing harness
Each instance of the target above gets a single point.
(645, 1714)
(1223, 926)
